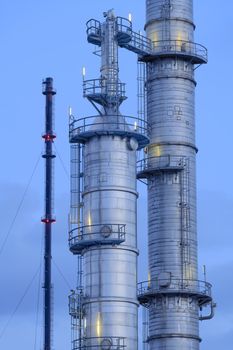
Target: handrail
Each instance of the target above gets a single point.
(93, 24)
(123, 25)
(87, 231)
(142, 42)
(183, 46)
(124, 123)
(102, 86)
(160, 162)
(155, 285)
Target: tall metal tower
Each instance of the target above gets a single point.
(102, 231)
(48, 219)
(173, 293)
(103, 201)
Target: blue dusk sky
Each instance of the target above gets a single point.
(41, 38)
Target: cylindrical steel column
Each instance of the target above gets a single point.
(110, 271)
(107, 239)
(174, 309)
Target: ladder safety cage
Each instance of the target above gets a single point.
(77, 318)
(185, 217)
(142, 91)
(76, 189)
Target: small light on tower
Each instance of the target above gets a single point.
(70, 111)
(84, 72)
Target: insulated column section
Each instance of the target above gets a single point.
(110, 267)
(107, 240)
(173, 293)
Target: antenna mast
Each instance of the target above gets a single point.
(48, 218)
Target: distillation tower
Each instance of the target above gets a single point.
(104, 307)
(173, 294)
(102, 230)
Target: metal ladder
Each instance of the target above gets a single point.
(75, 221)
(166, 14)
(141, 92)
(185, 216)
(76, 204)
(141, 102)
(145, 327)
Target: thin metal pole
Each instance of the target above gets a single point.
(48, 218)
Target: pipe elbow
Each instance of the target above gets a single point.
(211, 314)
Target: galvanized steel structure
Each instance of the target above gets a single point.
(103, 188)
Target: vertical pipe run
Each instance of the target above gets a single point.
(48, 218)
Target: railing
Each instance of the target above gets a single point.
(124, 28)
(120, 123)
(141, 43)
(155, 286)
(179, 46)
(100, 343)
(131, 40)
(160, 163)
(75, 303)
(103, 87)
(94, 31)
(99, 233)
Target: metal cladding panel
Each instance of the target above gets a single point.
(110, 185)
(175, 343)
(109, 162)
(123, 324)
(171, 94)
(174, 323)
(164, 218)
(183, 31)
(115, 207)
(169, 20)
(110, 271)
(181, 9)
(176, 313)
